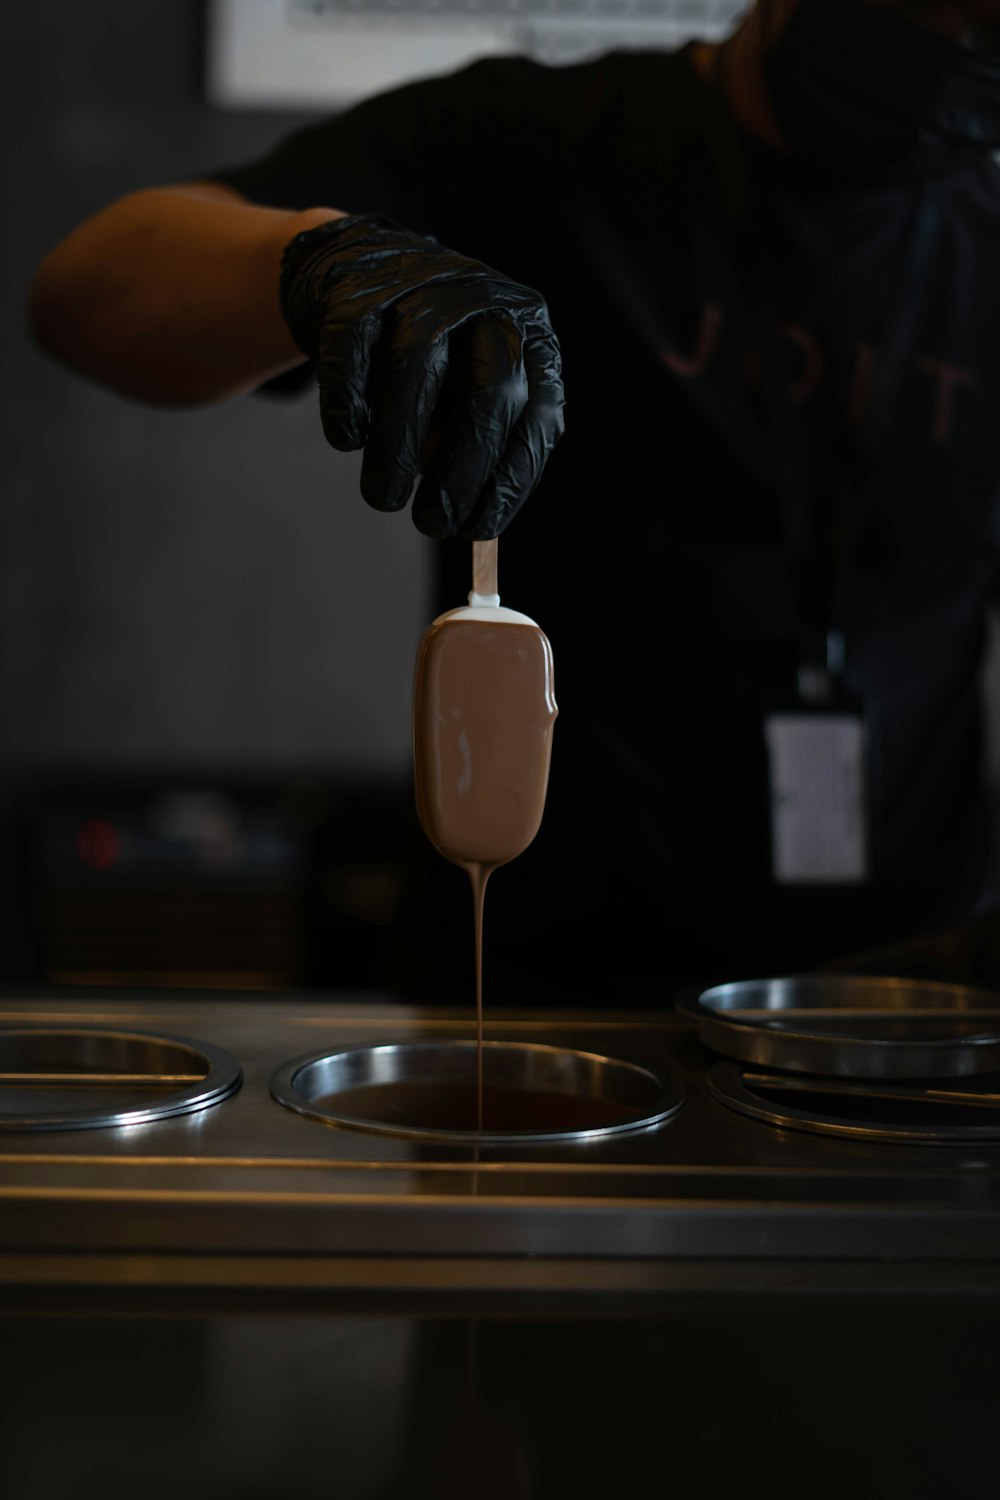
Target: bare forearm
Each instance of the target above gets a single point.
(171, 294)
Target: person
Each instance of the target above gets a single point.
(764, 547)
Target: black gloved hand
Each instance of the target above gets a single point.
(435, 364)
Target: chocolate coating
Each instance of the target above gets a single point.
(483, 715)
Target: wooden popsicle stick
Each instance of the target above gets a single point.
(484, 567)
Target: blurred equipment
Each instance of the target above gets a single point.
(324, 54)
(231, 886)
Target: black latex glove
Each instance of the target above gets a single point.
(433, 363)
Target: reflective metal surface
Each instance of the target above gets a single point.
(250, 1194)
(54, 1078)
(427, 1091)
(847, 1025)
(862, 1110)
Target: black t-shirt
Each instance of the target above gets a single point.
(655, 552)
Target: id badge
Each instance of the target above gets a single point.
(818, 762)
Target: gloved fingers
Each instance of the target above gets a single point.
(484, 395)
(534, 435)
(407, 390)
(344, 376)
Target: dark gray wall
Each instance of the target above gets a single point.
(199, 589)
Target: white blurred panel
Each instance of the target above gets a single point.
(326, 53)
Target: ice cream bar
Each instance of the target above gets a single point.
(483, 714)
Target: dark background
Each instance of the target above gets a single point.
(191, 600)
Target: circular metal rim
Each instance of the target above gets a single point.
(223, 1078)
(834, 1054)
(670, 1097)
(726, 1085)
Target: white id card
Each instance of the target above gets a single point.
(819, 822)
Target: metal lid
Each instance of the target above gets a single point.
(54, 1078)
(852, 1025)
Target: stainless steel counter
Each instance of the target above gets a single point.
(247, 1193)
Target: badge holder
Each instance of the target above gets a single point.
(821, 747)
(819, 755)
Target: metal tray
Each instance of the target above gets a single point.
(851, 1025)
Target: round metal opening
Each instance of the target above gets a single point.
(920, 1111)
(427, 1091)
(852, 1025)
(59, 1079)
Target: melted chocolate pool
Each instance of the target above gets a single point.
(454, 1106)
